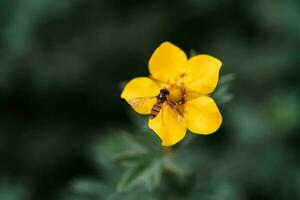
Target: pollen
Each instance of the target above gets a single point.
(177, 94)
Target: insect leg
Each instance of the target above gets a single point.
(162, 114)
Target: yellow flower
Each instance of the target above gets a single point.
(188, 104)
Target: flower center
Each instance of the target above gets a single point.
(177, 94)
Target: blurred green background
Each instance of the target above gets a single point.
(63, 124)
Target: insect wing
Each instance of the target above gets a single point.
(175, 112)
(193, 95)
(140, 101)
(143, 104)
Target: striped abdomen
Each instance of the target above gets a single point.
(156, 109)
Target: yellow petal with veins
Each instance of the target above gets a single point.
(167, 128)
(202, 115)
(202, 74)
(167, 62)
(140, 94)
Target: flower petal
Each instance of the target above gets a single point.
(167, 128)
(202, 74)
(167, 62)
(202, 115)
(139, 93)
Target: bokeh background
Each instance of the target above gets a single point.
(63, 124)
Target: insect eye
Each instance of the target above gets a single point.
(164, 91)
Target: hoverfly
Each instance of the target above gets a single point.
(162, 101)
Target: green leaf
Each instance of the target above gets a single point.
(154, 175)
(132, 143)
(222, 94)
(128, 157)
(175, 166)
(145, 172)
(88, 186)
(226, 78)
